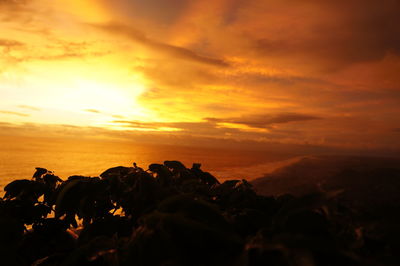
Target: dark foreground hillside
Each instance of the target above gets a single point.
(173, 215)
(368, 186)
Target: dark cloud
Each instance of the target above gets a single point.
(177, 138)
(13, 113)
(167, 84)
(231, 14)
(11, 10)
(12, 3)
(212, 125)
(251, 78)
(265, 121)
(160, 11)
(174, 51)
(361, 31)
(202, 134)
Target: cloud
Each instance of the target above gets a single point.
(265, 121)
(61, 50)
(164, 74)
(13, 113)
(174, 51)
(158, 11)
(6, 43)
(209, 134)
(96, 111)
(14, 9)
(28, 107)
(92, 111)
(218, 127)
(138, 124)
(338, 34)
(63, 56)
(12, 3)
(204, 128)
(288, 71)
(142, 138)
(7, 46)
(54, 49)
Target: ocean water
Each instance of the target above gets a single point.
(20, 155)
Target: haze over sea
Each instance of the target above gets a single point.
(20, 155)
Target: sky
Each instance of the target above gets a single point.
(321, 73)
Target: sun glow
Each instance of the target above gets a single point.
(76, 93)
(106, 98)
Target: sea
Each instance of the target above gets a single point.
(19, 156)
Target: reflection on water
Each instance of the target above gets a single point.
(20, 155)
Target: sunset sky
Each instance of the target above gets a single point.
(325, 73)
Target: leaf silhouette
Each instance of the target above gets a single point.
(173, 215)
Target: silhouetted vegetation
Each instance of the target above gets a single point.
(173, 215)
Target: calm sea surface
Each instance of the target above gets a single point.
(19, 156)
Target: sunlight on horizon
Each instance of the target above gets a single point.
(73, 92)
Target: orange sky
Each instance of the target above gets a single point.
(301, 72)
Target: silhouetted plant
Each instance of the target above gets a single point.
(170, 215)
